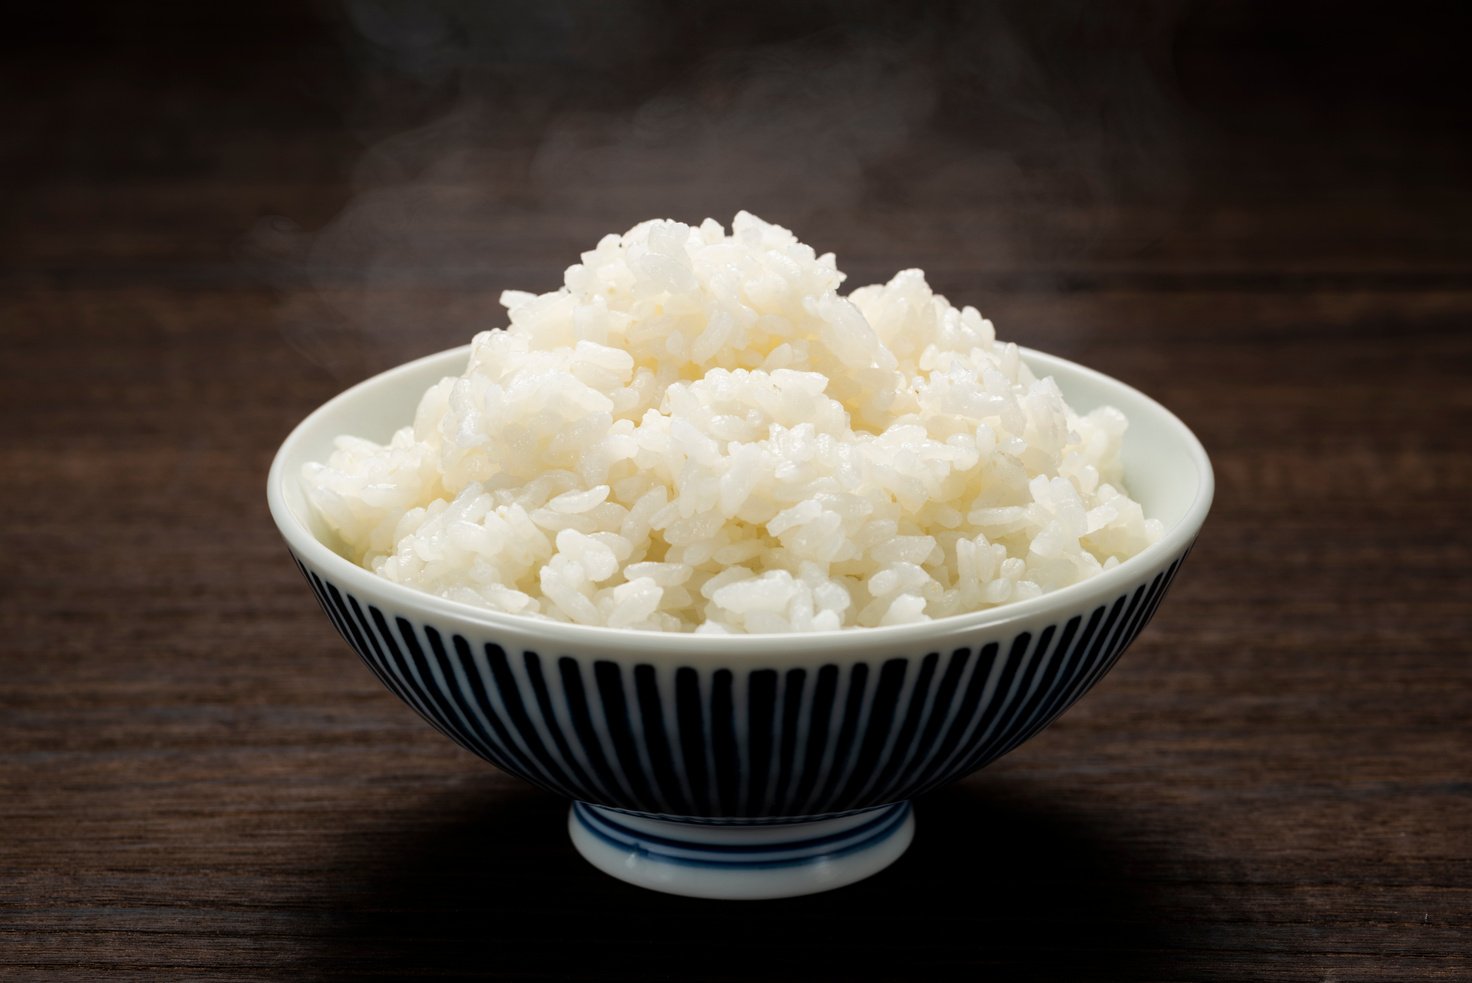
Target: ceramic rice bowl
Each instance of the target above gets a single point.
(752, 766)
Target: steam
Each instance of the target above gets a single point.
(504, 138)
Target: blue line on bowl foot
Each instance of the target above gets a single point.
(741, 862)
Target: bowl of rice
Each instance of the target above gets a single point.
(738, 562)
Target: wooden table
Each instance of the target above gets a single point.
(215, 218)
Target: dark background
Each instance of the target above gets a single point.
(215, 216)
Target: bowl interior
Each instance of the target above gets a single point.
(1166, 470)
(373, 409)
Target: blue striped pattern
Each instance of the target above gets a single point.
(711, 743)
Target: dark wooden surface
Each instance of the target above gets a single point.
(214, 218)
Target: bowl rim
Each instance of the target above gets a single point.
(1082, 596)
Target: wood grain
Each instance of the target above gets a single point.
(197, 779)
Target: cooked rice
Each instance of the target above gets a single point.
(698, 432)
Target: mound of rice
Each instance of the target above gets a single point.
(698, 432)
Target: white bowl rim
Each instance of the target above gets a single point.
(846, 642)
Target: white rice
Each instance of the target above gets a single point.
(698, 432)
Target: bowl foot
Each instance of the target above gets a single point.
(702, 860)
